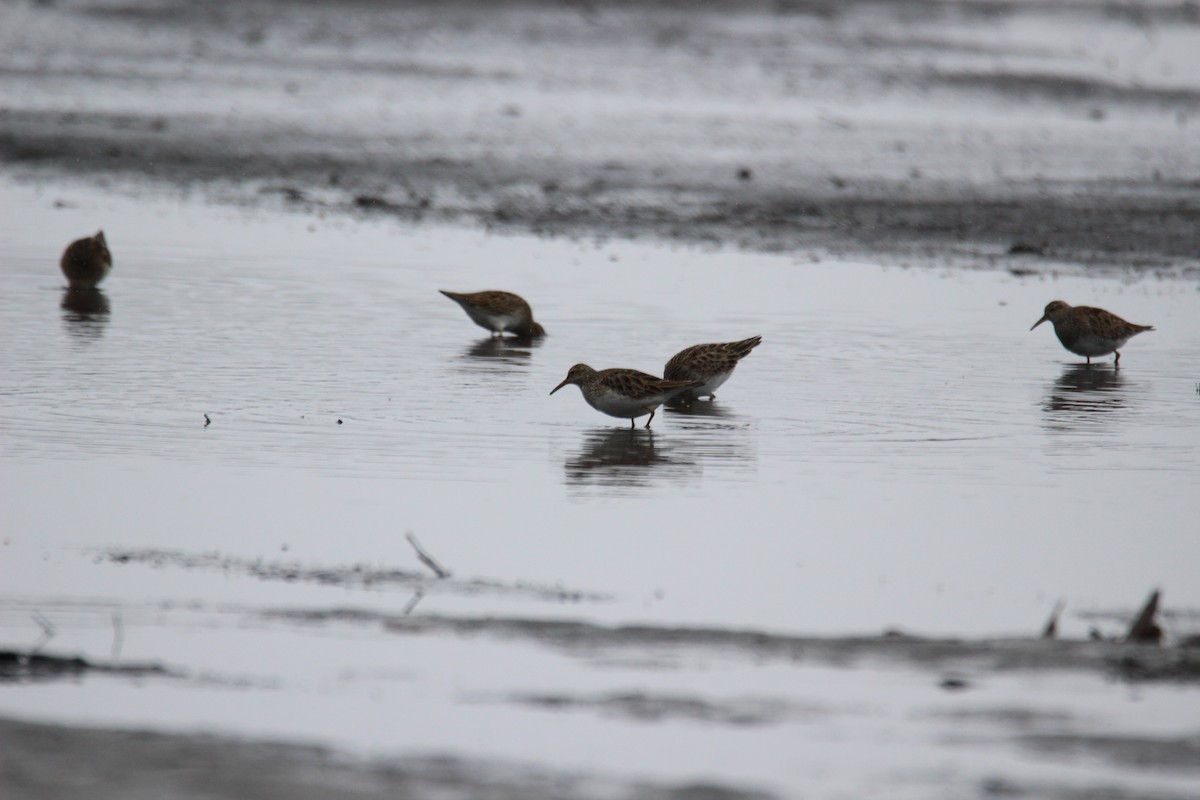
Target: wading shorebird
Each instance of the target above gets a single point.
(1090, 332)
(624, 393)
(498, 312)
(86, 261)
(711, 364)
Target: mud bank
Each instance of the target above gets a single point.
(979, 134)
(123, 764)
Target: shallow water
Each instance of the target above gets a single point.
(900, 444)
(901, 451)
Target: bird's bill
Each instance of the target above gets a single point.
(564, 383)
(1040, 321)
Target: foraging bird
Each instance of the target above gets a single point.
(711, 364)
(498, 312)
(1087, 331)
(86, 261)
(624, 393)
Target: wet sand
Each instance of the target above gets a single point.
(124, 763)
(118, 765)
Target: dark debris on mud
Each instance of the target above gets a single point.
(22, 667)
(644, 706)
(1171, 665)
(664, 647)
(1007, 787)
(355, 576)
(1175, 754)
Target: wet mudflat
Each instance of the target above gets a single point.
(919, 130)
(826, 583)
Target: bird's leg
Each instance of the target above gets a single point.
(1089, 358)
(1116, 360)
(632, 425)
(651, 418)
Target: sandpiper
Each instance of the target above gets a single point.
(624, 393)
(1087, 331)
(711, 364)
(498, 312)
(86, 261)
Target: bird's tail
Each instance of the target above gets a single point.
(743, 348)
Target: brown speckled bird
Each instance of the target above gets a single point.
(711, 364)
(498, 312)
(1089, 332)
(86, 261)
(624, 393)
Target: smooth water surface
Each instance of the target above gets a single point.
(901, 451)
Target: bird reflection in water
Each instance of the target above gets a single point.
(504, 350)
(85, 312)
(699, 408)
(621, 457)
(1085, 389)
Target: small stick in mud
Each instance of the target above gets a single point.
(48, 632)
(1051, 629)
(426, 559)
(416, 598)
(1144, 629)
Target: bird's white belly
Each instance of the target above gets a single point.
(1092, 345)
(711, 385)
(498, 323)
(618, 405)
